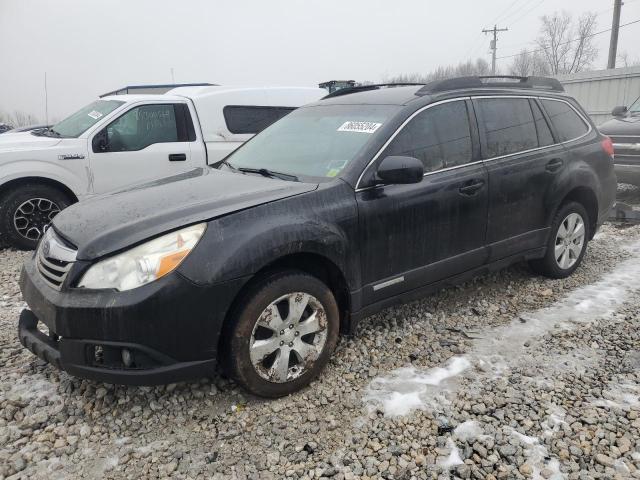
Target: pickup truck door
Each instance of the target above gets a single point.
(146, 142)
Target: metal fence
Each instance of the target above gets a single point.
(599, 91)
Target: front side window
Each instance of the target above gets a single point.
(318, 141)
(509, 125)
(247, 119)
(78, 123)
(566, 122)
(142, 126)
(634, 109)
(439, 137)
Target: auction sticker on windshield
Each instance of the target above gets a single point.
(94, 114)
(360, 127)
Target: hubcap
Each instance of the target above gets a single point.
(32, 217)
(569, 241)
(288, 337)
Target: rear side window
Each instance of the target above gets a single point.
(509, 125)
(246, 119)
(544, 132)
(439, 137)
(566, 122)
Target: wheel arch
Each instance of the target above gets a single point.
(34, 180)
(314, 264)
(588, 199)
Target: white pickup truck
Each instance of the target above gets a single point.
(122, 140)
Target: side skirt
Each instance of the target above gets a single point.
(421, 292)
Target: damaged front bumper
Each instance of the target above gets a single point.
(163, 332)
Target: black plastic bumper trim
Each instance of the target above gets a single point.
(68, 355)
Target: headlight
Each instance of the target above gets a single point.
(144, 263)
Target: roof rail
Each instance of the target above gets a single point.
(498, 81)
(364, 88)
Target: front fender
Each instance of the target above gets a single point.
(75, 177)
(243, 243)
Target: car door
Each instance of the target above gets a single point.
(146, 142)
(416, 234)
(522, 159)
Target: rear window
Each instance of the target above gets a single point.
(244, 119)
(567, 123)
(509, 125)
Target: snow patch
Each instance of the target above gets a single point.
(407, 389)
(623, 396)
(467, 431)
(454, 459)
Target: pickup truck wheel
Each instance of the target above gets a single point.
(26, 212)
(567, 242)
(283, 334)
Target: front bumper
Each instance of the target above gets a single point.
(163, 332)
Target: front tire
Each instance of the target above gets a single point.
(26, 211)
(569, 234)
(282, 335)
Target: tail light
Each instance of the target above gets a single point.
(607, 146)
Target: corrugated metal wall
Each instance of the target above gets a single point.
(599, 91)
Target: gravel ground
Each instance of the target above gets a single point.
(508, 376)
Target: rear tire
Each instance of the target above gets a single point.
(282, 334)
(26, 210)
(568, 238)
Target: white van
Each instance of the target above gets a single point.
(122, 140)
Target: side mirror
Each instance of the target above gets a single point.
(100, 142)
(400, 170)
(620, 111)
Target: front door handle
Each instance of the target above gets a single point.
(471, 187)
(177, 157)
(554, 165)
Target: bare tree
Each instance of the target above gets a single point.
(468, 68)
(625, 61)
(567, 46)
(529, 63)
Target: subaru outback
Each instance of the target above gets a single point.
(371, 196)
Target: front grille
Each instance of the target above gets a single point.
(53, 271)
(54, 259)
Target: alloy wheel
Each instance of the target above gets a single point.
(569, 241)
(288, 337)
(32, 217)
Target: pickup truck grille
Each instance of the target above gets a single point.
(54, 259)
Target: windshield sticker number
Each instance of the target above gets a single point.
(360, 127)
(94, 114)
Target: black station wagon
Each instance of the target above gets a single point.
(371, 196)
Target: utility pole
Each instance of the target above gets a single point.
(494, 45)
(173, 80)
(615, 28)
(46, 101)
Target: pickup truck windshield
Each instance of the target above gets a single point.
(78, 123)
(317, 141)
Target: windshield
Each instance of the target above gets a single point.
(317, 141)
(83, 119)
(635, 107)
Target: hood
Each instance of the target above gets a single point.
(621, 126)
(106, 224)
(26, 141)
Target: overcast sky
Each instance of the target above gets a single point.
(88, 47)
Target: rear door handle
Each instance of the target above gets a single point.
(177, 157)
(554, 165)
(471, 187)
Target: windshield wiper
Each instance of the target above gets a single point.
(268, 173)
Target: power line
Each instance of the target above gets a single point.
(527, 12)
(569, 41)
